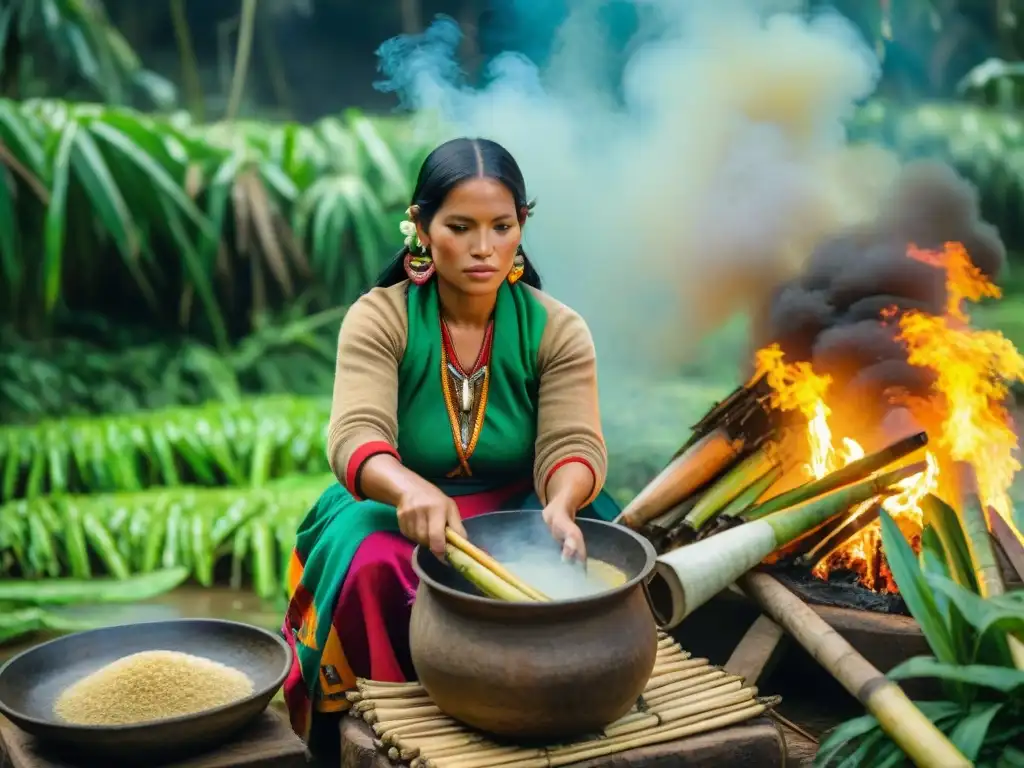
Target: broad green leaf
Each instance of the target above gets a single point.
(158, 175)
(969, 734)
(914, 590)
(1011, 757)
(983, 615)
(933, 562)
(199, 278)
(1002, 679)
(396, 182)
(217, 196)
(56, 223)
(946, 524)
(842, 735)
(16, 134)
(92, 173)
(864, 753)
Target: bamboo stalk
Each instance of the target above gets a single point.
(705, 694)
(245, 34)
(697, 572)
(1010, 543)
(697, 684)
(675, 716)
(835, 534)
(983, 557)
(485, 580)
(591, 750)
(389, 732)
(408, 716)
(682, 477)
(914, 733)
(727, 488)
(372, 692)
(488, 562)
(986, 567)
(853, 472)
(752, 493)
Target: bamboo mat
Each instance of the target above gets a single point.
(684, 697)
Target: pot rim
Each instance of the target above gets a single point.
(628, 586)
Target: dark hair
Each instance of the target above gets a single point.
(445, 168)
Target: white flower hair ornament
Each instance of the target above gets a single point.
(408, 230)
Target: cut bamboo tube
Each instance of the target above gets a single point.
(979, 544)
(853, 472)
(697, 572)
(752, 493)
(488, 562)
(914, 733)
(1009, 541)
(727, 488)
(485, 580)
(986, 567)
(684, 475)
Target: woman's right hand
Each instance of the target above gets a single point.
(424, 512)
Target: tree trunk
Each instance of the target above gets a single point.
(412, 16)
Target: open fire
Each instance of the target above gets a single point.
(972, 426)
(867, 366)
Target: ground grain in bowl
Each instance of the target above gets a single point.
(152, 685)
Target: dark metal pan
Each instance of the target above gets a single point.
(31, 682)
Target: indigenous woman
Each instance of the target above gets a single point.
(460, 389)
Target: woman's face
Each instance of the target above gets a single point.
(474, 236)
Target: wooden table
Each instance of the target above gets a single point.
(754, 744)
(267, 743)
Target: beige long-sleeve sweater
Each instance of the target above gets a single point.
(371, 344)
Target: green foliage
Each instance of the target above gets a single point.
(245, 443)
(137, 215)
(94, 369)
(983, 713)
(250, 532)
(72, 40)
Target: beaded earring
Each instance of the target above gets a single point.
(518, 266)
(418, 263)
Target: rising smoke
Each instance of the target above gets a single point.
(832, 315)
(689, 190)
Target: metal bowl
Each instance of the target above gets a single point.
(31, 682)
(535, 670)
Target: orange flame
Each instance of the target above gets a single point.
(972, 369)
(796, 387)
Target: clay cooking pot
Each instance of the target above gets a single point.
(535, 670)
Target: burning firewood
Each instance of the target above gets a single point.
(732, 430)
(693, 574)
(852, 472)
(770, 444)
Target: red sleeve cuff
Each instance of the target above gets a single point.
(360, 457)
(574, 460)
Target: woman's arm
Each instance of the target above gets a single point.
(571, 457)
(363, 435)
(364, 408)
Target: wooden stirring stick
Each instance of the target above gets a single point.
(488, 562)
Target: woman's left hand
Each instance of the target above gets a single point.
(561, 521)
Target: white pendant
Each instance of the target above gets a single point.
(467, 396)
